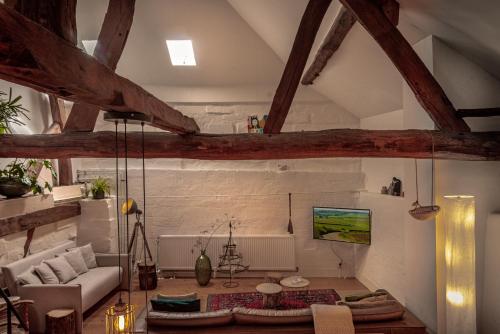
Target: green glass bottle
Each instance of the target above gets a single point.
(203, 269)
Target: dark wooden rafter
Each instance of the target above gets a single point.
(480, 112)
(109, 48)
(341, 26)
(423, 84)
(309, 25)
(289, 145)
(38, 218)
(33, 56)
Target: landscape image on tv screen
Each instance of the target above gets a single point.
(346, 225)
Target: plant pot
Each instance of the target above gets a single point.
(203, 269)
(98, 194)
(12, 188)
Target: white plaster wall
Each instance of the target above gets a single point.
(380, 171)
(188, 196)
(470, 87)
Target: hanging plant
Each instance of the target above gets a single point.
(11, 112)
(20, 177)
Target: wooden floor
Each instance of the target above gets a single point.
(95, 320)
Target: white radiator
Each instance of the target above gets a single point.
(260, 252)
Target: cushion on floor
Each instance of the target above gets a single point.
(248, 316)
(188, 296)
(190, 319)
(378, 313)
(176, 305)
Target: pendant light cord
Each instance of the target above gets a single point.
(416, 177)
(432, 187)
(144, 221)
(129, 271)
(118, 214)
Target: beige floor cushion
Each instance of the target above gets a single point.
(248, 316)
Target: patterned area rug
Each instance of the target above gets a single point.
(289, 299)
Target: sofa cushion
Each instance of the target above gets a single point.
(190, 319)
(188, 296)
(176, 305)
(378, 313)
(76, 261)
(29, 277)
(46, 274)
(96, 284)
(63, 270)
(248, 316)
(88, 255)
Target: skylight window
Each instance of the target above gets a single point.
(89, 46)
(181, 52)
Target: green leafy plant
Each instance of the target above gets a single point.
(11, 112)
(100, 185)
(24, 172)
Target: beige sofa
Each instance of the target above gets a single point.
(79, 294)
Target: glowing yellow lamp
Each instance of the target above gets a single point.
(458, 217)
(120, 318)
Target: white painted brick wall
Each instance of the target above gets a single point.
(188, 196)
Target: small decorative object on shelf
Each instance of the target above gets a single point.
(100, 187)
(21, 176)
(231, 261)
(256, 125)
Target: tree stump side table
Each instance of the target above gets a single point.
(62, 321)
(271, 293)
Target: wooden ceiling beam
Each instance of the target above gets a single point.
(423, 84)
(480, 112)
(290, 145)
(309, 25)
(341, 26)
(33, 56)
(109, 48)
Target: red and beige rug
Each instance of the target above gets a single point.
(289, 299)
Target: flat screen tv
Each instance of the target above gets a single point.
(345, 225)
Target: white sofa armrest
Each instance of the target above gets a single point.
(49, 297)
(111, 260)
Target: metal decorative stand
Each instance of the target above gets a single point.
(230, 261)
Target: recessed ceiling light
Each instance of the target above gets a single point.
(181, 52)
(89, 45)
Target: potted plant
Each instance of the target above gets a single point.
(20, 177)
(100, 187)
(10, 112)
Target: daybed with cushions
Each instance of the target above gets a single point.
(95, 278)
(382, 317)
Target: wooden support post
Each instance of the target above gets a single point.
(481, 112)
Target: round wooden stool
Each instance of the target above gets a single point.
(62, 321)
(271, 293)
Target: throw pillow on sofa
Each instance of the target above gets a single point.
(76, 261)
(29, 277)
(46, 274)
(188, 296)
(248, 316)
(62, 269)
(88, 255)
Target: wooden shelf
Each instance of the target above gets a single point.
(28, 221)
(384, 196)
